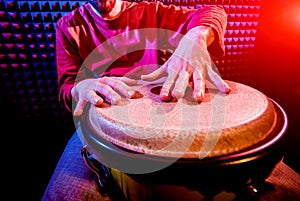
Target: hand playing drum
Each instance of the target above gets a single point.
(190, 61)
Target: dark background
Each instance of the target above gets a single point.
(36, 128)
(276, 63)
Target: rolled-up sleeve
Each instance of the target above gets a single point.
(182, 20)
(68, 64)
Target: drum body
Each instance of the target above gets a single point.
(237, 170)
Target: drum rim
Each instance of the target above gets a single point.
(251, 153)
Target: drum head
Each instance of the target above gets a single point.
(219, 126)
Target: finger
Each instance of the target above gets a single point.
(109, 94)
(165, 93)
(79, 107)
(158, 73)
(222, 86)
(199, 86)
(74, 93)
(92, 97)
(118, 85)
(127, 80)
(181, 84)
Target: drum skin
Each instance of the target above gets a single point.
(219, 125)
(230, 171)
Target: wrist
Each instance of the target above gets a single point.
(201, 34)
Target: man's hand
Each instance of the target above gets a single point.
(191, 58)
(95, 91)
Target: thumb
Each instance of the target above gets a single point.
(158, 73)
(222, 86)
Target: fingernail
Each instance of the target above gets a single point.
(164, 92)
(165, 95)
(199, 95)
(77, 112)
(177, 94)
(115, 99)
(130, 93)
(226, 89)
(98, 102)
(143, 77)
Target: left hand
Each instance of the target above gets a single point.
(94, 91)
(191, 58)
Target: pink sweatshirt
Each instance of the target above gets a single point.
(138, 41)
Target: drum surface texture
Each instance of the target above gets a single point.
(222, 124)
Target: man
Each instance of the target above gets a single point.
(88, 27)
(105, 46)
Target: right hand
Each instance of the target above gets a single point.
(190, 61)
(95, 90)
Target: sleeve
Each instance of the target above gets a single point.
(216, 18)
(68, 64)
(182, 20)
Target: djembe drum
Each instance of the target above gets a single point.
(227, 142)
